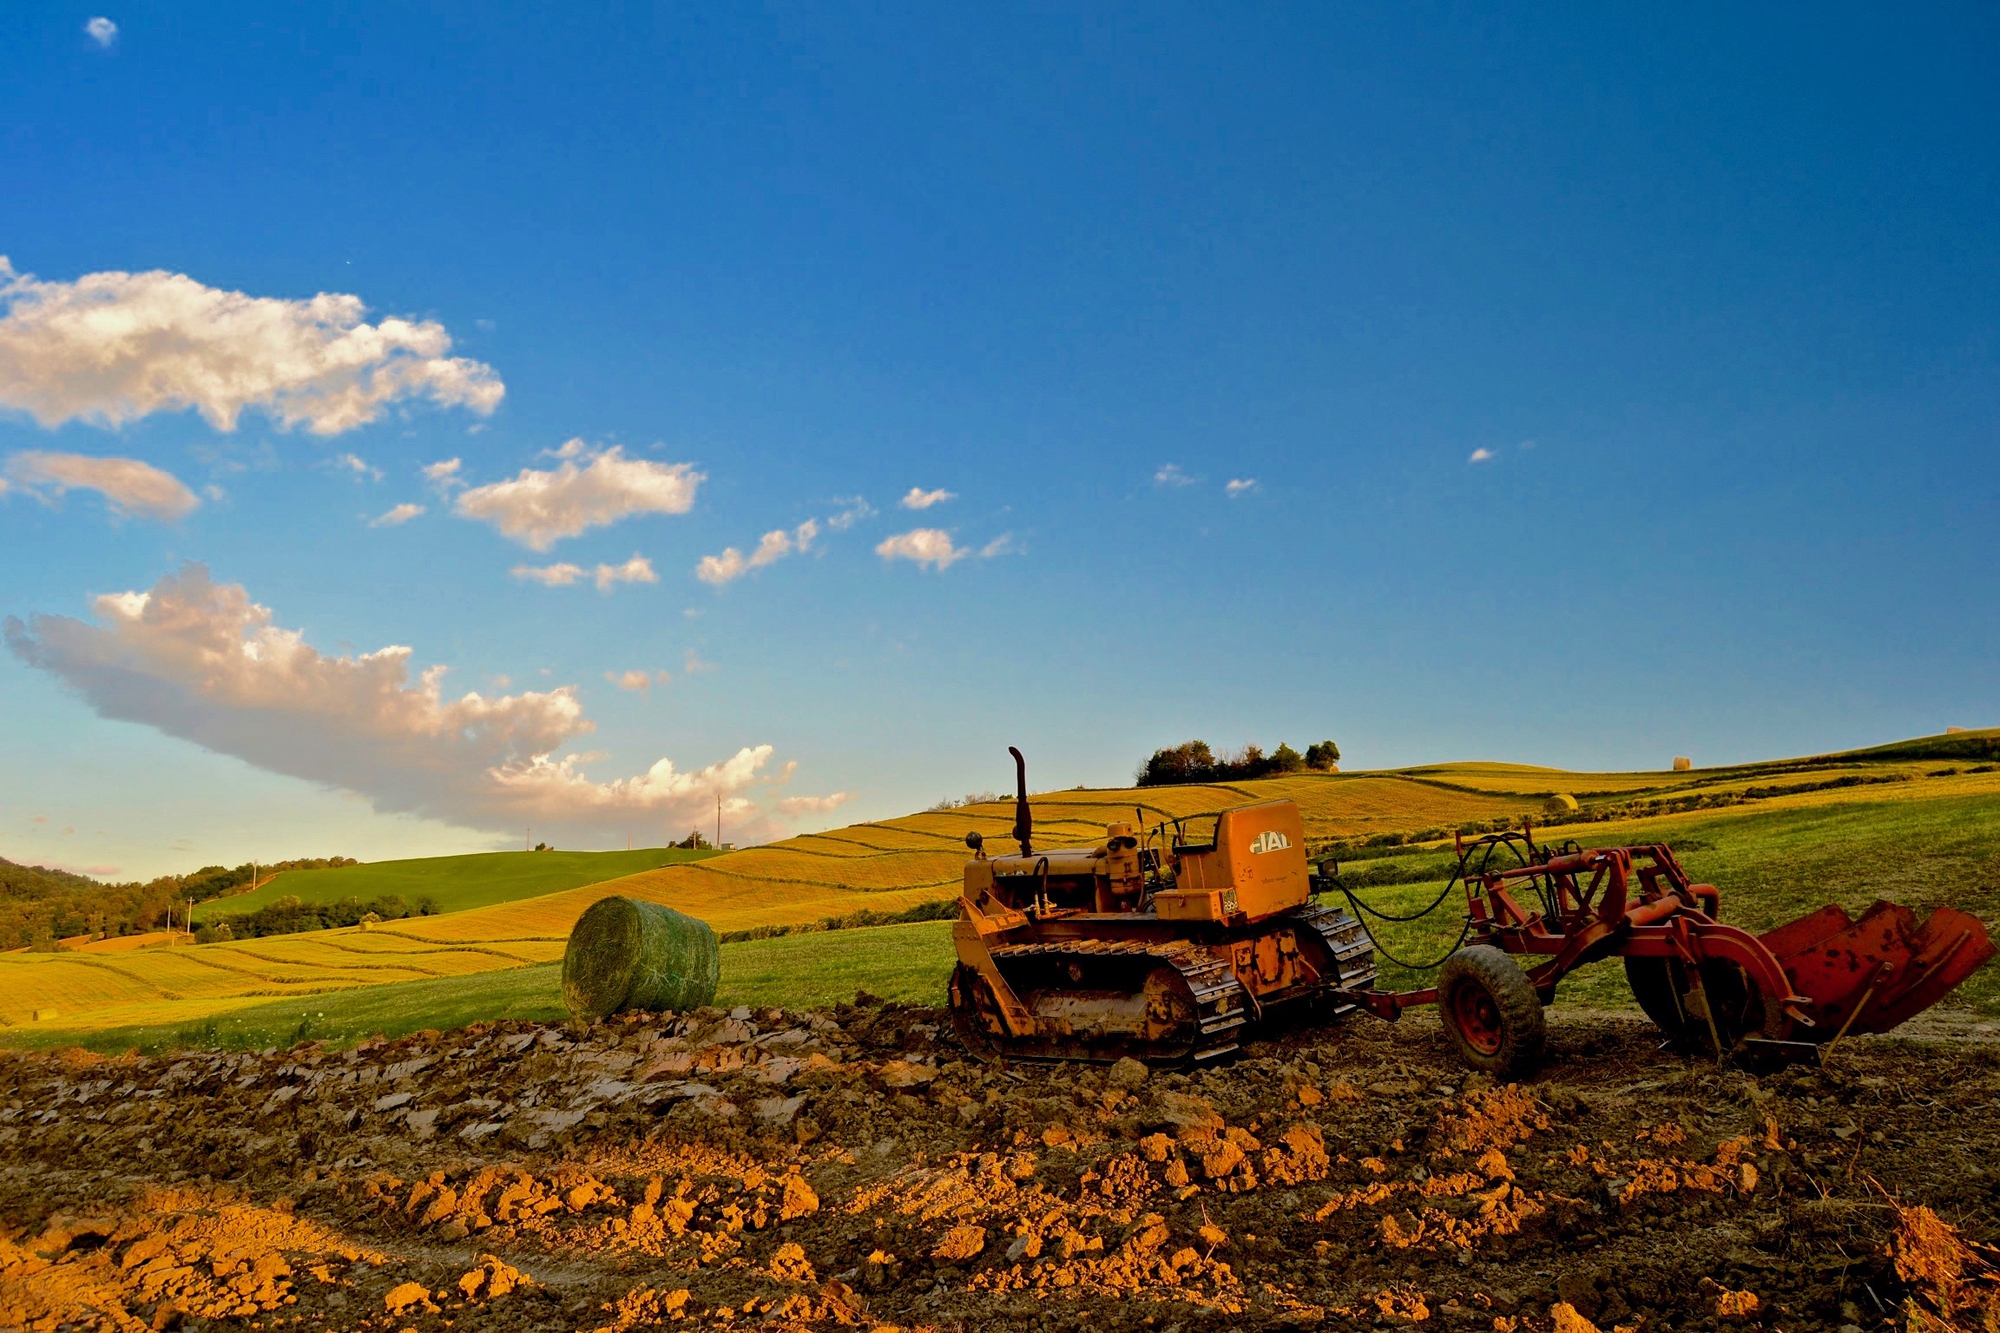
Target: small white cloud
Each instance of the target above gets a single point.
(1001, 545)
(1240, 485)
(636, 570)
(794, 806)
(1527, 444)
(358, 467)
(538, 508)
(129, 486)
(854, 510)
(919, 498)
(112, 347)
(773, 546)
(930, 547)
(1170, 474)
(1480, 456)
(399, 515)
(550, 576)
(102, 31)
(692, 664)
(635, 680)
(444, 475)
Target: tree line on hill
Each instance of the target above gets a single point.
(1194, 761)
(289, 916)
(39, 906)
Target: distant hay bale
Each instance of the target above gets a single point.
(626, 954)
(1682, 763)
(1953, 731)
(1562, 803)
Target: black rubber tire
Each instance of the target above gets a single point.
(1655, 987)
(1492, 1016)
(1660, 985)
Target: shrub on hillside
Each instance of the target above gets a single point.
(1194, 761)
(289, 916)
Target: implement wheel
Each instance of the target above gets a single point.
(1492, 1016)
(1666, 989)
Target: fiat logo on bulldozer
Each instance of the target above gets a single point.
(1268, 841)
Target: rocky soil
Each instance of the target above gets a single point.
(852, 1170)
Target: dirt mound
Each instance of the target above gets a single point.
(854, 1170)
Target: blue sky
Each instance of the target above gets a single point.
(1608, 386)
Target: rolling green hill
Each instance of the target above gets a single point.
(454, 883)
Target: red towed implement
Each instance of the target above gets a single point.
(1706, 984)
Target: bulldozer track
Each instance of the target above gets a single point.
(1222, 1009)
(1352, 949)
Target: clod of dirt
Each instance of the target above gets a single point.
(409, 1296)
(1953, 1284)
(1567, 1319)
(1127, 1074)
(960, 1243)
(492, 1278)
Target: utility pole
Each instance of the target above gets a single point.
(718, 821)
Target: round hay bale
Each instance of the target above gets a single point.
(626, 954)
(1562, 803)
(1682, 763)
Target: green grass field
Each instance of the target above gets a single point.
(818, 969)
(455, 883)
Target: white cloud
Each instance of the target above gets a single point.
(919, 498)
(794, 806)
(550, 576)
(402, 513)
(112, 347)
(853, 510)
(636, 680)
(693, 665)
(200, 661)
(539, 508)
(1480, 456)
(1170, 474)
(358, 467)
(129, 486)
(1001, 545)
(926, 546)
(1239, 485)
(444, 475)
(774, 545)
(636, 570)
(102, 31)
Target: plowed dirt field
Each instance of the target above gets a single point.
(850, 1169)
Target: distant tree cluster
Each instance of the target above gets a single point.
(694, 842)
(970, 798)
(39, 907)
(289, 916)
(1194, 761)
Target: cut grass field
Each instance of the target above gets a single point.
(816, 970)
(453, 883)
(1917, 823)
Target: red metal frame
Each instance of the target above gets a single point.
(1596, 916)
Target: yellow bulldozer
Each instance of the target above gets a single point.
(1172, 945)
(1162, 947)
